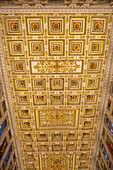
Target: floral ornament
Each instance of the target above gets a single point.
(29, 146)
(61, 117)
(43, 146)
(46, 116)
(56, 26)
(57, 164)
(25, 112)
(36, 48)
(57, 146)
(39, 83)
(95, 47)
(56, 98)
(51, 117)
(26, 124)
(84, 145)
(35, 26)
(90, 97)
(57, 66)
(57, 135)
(71, 135)
(77, 66)
(74, 83)
(56, 48)
(57, 83)
(83, 155)
(23, 98)
(67, 117)
(76, 48)
(57, 118)
(17, 48)
(82, 164)
(88, 111)
(93, 65)
(77, 26)
(42, 136)
(30, 156)
(40, 98)
(71, 145)
(28, 136)
(21, 83)
(87, 124)
(91, 82)
(73, 98)
(31, 165)
(14, 27)
(19, 66)
(85, 135)
(98, 26)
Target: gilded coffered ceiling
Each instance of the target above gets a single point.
(56, 65)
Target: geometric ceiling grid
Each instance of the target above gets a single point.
(56, 65)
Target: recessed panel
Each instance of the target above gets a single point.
(55, 119)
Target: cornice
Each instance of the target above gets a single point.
(55, 9)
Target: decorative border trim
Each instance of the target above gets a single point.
(103, 101)
(11, 115)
